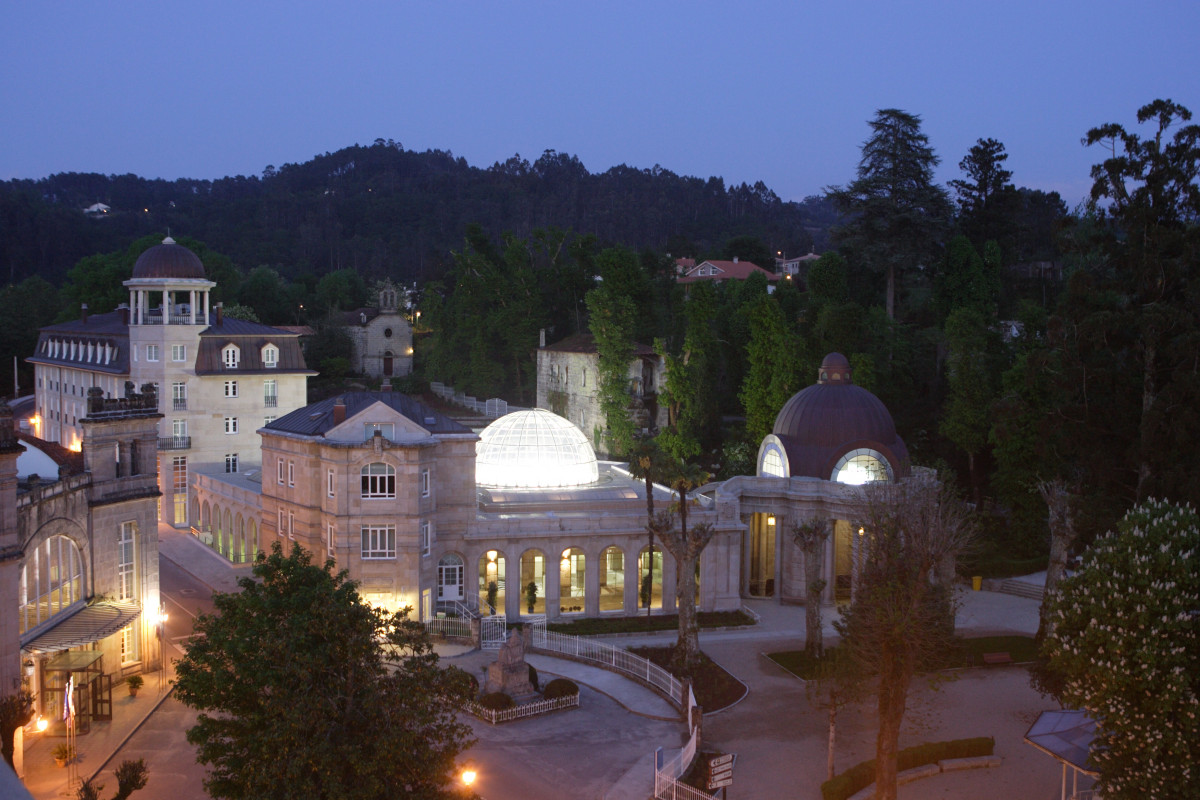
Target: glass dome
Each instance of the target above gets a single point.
(534, 448)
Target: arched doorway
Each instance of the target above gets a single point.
(572, 577)
(612, 579)
(533, 571)
(763, 536)
(387, 364)
(491, 582)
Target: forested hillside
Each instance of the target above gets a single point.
(381, 209)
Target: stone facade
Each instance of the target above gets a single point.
(382, 336)
(568, 385)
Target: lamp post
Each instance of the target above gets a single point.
(468, 775)
(160, 625)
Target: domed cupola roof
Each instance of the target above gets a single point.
(824, 423)
(534, 448)
(168, 260)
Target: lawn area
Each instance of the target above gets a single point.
(713, 686)
(644, 624)
(966, 653)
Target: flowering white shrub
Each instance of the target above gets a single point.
(1126, 643)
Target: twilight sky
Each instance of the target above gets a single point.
(775, 91)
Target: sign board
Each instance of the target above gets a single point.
(718, 784)
(717, 761)
(720, 771)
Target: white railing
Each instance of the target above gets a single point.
(458, 627)
(495, 407)
(613, 658)
(523, 710)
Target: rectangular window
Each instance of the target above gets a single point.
(270, 357)
(384, 429)
(282, 520)
(268, 420)
(379, 541)
(270, 393)
(291, 525)
(179, 396)
(229, 357)
(378, 481)
(291, 473)
(279, 472)
(179, 479)
(231, 389)
(129, 644)
(231, 462)
(329, 484)
(179, 428)
(424, 483)
(231, 425)
(426, 537)
(330, 539)
(152, 352)
(179, 352)
(125, 585)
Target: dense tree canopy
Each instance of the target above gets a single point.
(306, 692)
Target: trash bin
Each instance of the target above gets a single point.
(977, 582)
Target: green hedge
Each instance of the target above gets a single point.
(860, 776)
(560, 687)
(497, 701)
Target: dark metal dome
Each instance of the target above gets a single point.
(168, 260)
(825, 421)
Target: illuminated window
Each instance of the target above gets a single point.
(378, 481)
(125, 583)
(772, 464)
(378, 541)
(862, 466)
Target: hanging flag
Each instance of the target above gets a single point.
(69, 702)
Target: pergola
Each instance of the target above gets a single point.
(1067, 736)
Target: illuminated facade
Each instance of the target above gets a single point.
(218, 379)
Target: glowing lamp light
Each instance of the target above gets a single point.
(491, 556)
(469, 773)
(42, 724)
(771, 519)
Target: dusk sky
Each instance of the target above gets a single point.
(773, 91)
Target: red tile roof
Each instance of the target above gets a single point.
(729, 270)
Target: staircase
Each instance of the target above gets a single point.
(1022, 589)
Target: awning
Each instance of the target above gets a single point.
(88, 624)
(1065, 735)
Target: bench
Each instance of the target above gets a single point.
(997, 658)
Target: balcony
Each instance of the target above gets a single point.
(180, 403)
(271, 401)
(175, 443)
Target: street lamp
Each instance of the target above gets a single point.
(468, 774)
(160, 623)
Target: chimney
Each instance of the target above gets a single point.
(83, 313)
(220, 313)
(542, 338)
(386, 385)
(123, 311)
(735, 259)
(339, 409)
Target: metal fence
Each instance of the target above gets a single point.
(615, 659)
(523, 710)
(493, 407)
(458, 627)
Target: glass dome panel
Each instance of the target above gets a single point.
(534, 448)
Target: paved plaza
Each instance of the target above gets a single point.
(604, 749)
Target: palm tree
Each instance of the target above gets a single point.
(649, 463)
(685, 545)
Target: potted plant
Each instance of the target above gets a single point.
(531, 593)
(62, 754)
(134, 682)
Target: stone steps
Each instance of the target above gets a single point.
(1022, 589)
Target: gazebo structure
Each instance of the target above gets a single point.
(1067, 736)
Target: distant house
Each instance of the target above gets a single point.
(382, 336)
(568, 385)
(795, 268)
(97, 210)
(718, 271)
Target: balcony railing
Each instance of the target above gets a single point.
(180, 404)
(175, 443)
(271, 401)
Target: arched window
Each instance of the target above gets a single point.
(491, 582)
(231, 355)
(51, 581)
(862, 466)
(270, 356)
(612, 579)
(772, 463)
(378, 481)
(572, 575)
(533, 570)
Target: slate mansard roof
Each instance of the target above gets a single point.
(250, 338)
(90, 337)
(317, 419)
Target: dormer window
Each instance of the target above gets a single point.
(270, 356)
(385, 429)
(230, 356)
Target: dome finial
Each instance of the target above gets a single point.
(835, 369)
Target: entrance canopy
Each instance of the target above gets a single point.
(88, 624)
(1065, 735)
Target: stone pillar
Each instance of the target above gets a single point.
(591, 585)
(669, 582)
(553, 579)
(633, 580)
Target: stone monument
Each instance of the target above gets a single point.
(509, 673)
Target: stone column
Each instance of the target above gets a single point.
(591, 585)
(633, 580)
(552, 582)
